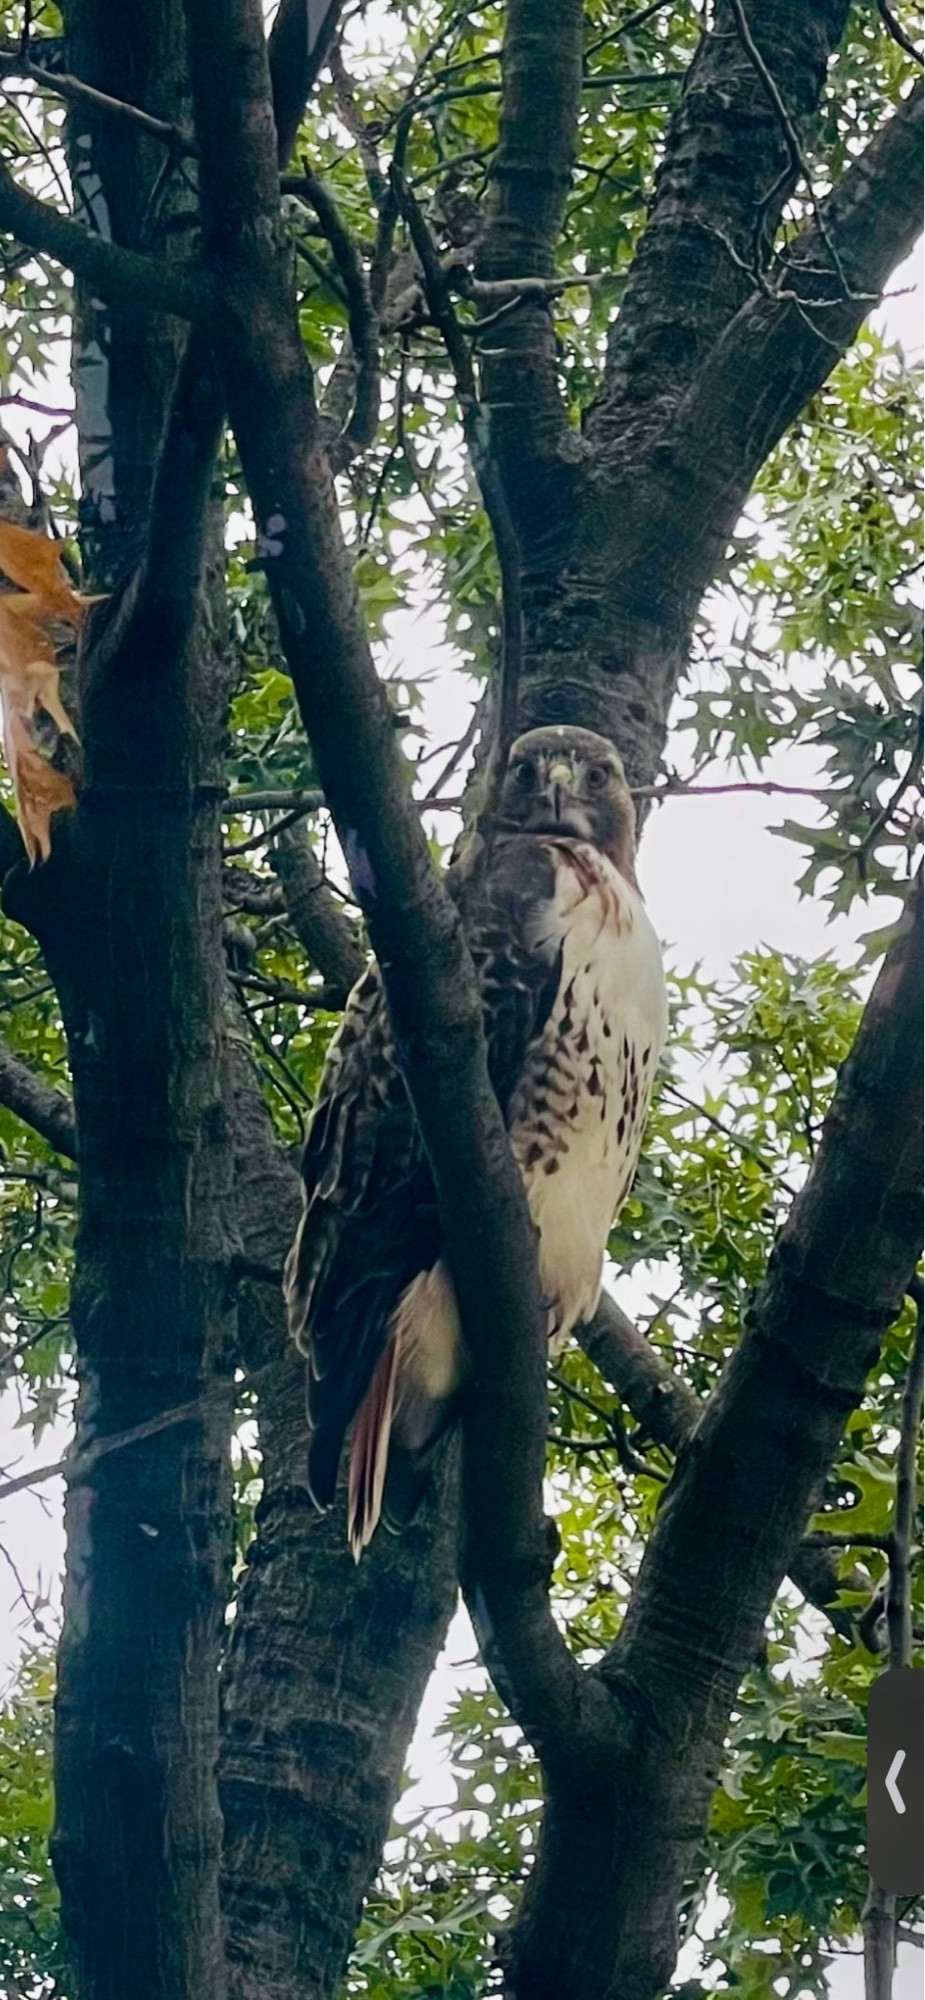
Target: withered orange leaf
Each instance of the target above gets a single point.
(40, 789)
(29, 677)
(34, 562)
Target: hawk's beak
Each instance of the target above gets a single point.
(560, 780)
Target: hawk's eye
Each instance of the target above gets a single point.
(596, 777)
(524, 777)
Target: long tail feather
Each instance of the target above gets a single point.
(369, 1452)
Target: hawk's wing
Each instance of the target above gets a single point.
(370, 1220)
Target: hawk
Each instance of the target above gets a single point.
(571, 977)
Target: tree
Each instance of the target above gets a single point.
(622, 263)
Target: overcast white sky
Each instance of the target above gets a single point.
(717, 882)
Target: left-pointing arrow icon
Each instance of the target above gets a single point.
(891, 1785)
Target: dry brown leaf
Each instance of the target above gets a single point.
(29, 677)
(34, 562)
(40, 789)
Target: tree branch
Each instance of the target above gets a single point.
(125, 277)
(896, 32)
(487, 469)
(300, 39)
(771, 358)
(727, 170)
(15, 62)
(667, 1411)
(529, 183)
(737, 1507)
(363, 353)
(316, 916)
(48, 1111)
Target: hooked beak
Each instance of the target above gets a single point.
(560, 778)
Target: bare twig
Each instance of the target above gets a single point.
(270, 833)
(676, 788)
(798, 162)
(475, 419)
(73, 89)
(897, 31)
(309, 800)
(363, 422)
(627, 27)
(631, 1460)
(397, 446)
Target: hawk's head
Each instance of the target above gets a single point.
(572, 782)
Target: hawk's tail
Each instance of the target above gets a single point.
(411, 1400)
(369, 1452)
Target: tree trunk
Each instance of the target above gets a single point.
(129, 914)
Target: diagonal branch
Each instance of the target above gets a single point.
(300, 39)
(600, 1909)
(48, 1111)
(667, 1410)
(316, 916)
(728, 169)
(18, 63)
(480, 440)
(772, 357)
(361, 360)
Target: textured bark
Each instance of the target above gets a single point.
(128, 912)
(600, 650)
(124, 357)
(316, 916)
(719, 193)
(327, 1663)
(47, 1110)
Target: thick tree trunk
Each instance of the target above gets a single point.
(129, 914)
(327, 1662)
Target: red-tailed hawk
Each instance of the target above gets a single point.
(571, 976)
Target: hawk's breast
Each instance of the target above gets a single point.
(578, 1113)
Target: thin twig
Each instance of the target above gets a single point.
(363, 421)
(397, 446)
(798, 161)
(310, 799)
(270, 832)
(898, 33)
(74, 89)
(616, 1429)
(637, 20)
(275, 989)
(74, 1469)
(432, 796)
(676, 788)
(476, 429)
